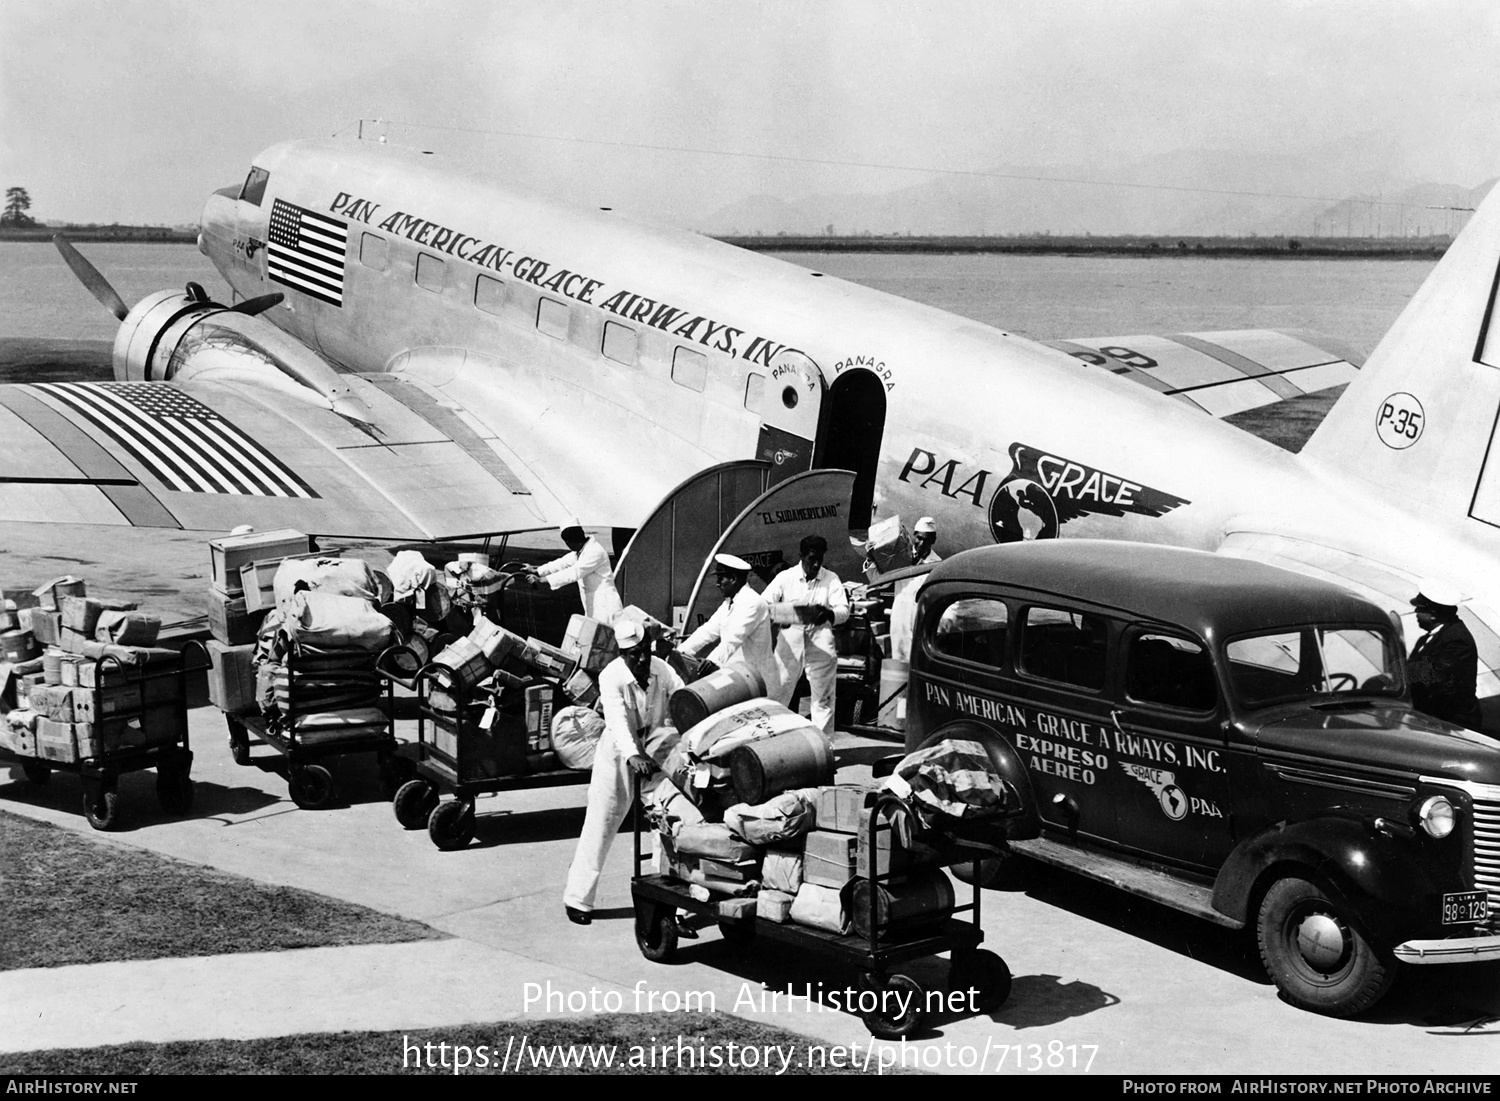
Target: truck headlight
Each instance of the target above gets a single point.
(1437, 816)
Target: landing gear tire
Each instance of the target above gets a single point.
(1318, 960)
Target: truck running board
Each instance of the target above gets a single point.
(1127, 875)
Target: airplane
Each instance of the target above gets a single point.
(419, 354)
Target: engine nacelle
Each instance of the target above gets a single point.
(150, 332)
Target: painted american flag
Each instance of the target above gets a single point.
(306, 250)
(179, 440)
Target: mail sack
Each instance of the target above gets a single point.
(950, 780)
(329, 621)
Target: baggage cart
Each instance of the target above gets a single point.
(311, 677)
(457, 755)
(874, 959)
(138, 721)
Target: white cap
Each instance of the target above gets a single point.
(927, 523)
(1433, 591)
(629, 634)
(574, 522)
(732, 562)
(242, 529)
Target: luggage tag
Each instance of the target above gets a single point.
(702, 777)
(421, 601)
(487, 720)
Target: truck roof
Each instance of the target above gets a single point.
(1214, 595)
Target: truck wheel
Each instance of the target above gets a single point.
(451, 825)
(311, 787)
(656, 934)
(1317, 959)
(413, 803)
(984, 973)
(899, 1011)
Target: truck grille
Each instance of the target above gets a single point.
(1487, 853)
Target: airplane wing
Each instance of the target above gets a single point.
(210, 455)
(1223, 373)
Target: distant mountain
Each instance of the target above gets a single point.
(1188, 192)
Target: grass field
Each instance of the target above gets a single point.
(605, 1044)
(67, 899)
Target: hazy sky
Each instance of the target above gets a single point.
(134, 110)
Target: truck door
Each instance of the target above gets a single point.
(789, 414)
(1170, 756)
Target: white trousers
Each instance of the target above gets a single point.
(610, 790)
(822, 668)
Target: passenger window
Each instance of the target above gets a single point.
(1064, 646)
(620, 342)
(689, 368)
(255, 186)
(489, 294)
(755, 392)
(429, 272)
(552, 317)
(372, 251)
(1169, 671)
(973, 629)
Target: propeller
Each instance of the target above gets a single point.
(260, 304)
(89, 276)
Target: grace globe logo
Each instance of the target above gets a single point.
(1400, 421)
(1022, 510)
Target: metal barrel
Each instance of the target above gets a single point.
(721, 689)
(918, 901)
(797, 759)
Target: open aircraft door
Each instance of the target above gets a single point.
(791, 402)
(767, 533)
(658, 569)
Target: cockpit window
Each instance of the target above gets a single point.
(255, 186)
(1280, 666)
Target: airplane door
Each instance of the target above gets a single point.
(789, 414)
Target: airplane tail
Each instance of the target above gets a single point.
(1420, 419)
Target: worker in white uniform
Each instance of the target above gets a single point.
(740, 628)
(587, 563)
(807, 645)
(923, 539)
(634, 691)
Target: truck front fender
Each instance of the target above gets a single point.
(1381, 881)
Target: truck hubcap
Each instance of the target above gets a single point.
(1320, 938)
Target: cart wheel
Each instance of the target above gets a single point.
(452, 824)
(657, 934)
(982, 971)
(36, 772)
(311, 787)
(102, 808)
(174, 789)
(394, 772)
(239, 741)
(739, 935)
(899, 1012)
(413, 803)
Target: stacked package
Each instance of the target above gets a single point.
(797, 848)
(231, 621)
(92, 691)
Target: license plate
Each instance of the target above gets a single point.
(1465, 906)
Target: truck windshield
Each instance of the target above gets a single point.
(1303, 662)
